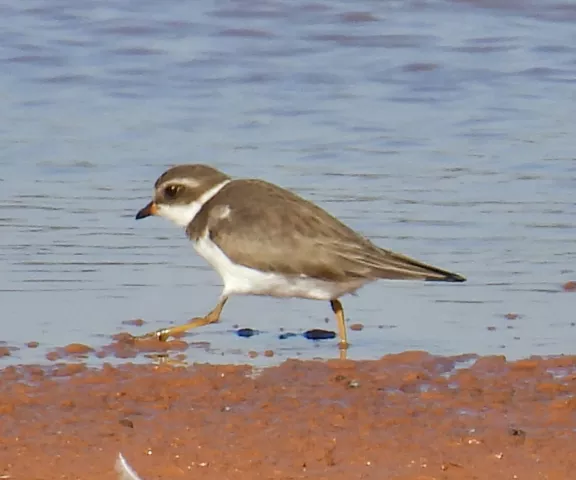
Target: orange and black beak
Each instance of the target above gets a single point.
(148, 210)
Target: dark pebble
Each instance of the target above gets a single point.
(126, 423)
(246, 332)
(516, 432)
(318, 334)
(284, 336)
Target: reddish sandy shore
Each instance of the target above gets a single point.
(407, 416)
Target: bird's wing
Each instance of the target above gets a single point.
(265, 227)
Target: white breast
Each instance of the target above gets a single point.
(241, 280)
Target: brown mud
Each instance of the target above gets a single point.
(407, 416)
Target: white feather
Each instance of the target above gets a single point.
(183, 214)
(241, 280)
(124, 470)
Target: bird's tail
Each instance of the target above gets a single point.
(401, 267)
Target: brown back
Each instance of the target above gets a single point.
(274, 230)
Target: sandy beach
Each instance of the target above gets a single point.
(410, 416)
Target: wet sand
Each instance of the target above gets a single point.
(406, 416)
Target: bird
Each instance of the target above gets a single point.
(263, 239)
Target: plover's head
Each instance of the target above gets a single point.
(181, 191)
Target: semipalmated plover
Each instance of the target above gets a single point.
(265, 240)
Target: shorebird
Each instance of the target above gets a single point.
(265, 240)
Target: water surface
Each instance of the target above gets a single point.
(443, 130)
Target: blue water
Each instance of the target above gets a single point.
(443, 130)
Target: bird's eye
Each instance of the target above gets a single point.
(171, 191)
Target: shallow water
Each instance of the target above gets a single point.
(443, 130)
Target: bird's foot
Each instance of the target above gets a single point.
(343, 349)
(161, 335)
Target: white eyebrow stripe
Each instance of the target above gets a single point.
(183, 214)
(188, 182)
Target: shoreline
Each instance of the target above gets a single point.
(405, 416)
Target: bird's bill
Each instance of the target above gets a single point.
(150, 209)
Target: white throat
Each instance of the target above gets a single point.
(183, 214)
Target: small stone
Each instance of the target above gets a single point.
(53, 356)
(357, 327)
(269, 353)
(137, 322)
(319, 334)
(126, 423)
(32, 344)
(569, 286)
(353, 384)
(246, 332)
(77, 349)
(284, 336)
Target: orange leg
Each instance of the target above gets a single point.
(212, 317)
(339, 311)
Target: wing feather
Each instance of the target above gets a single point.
(274, 230)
